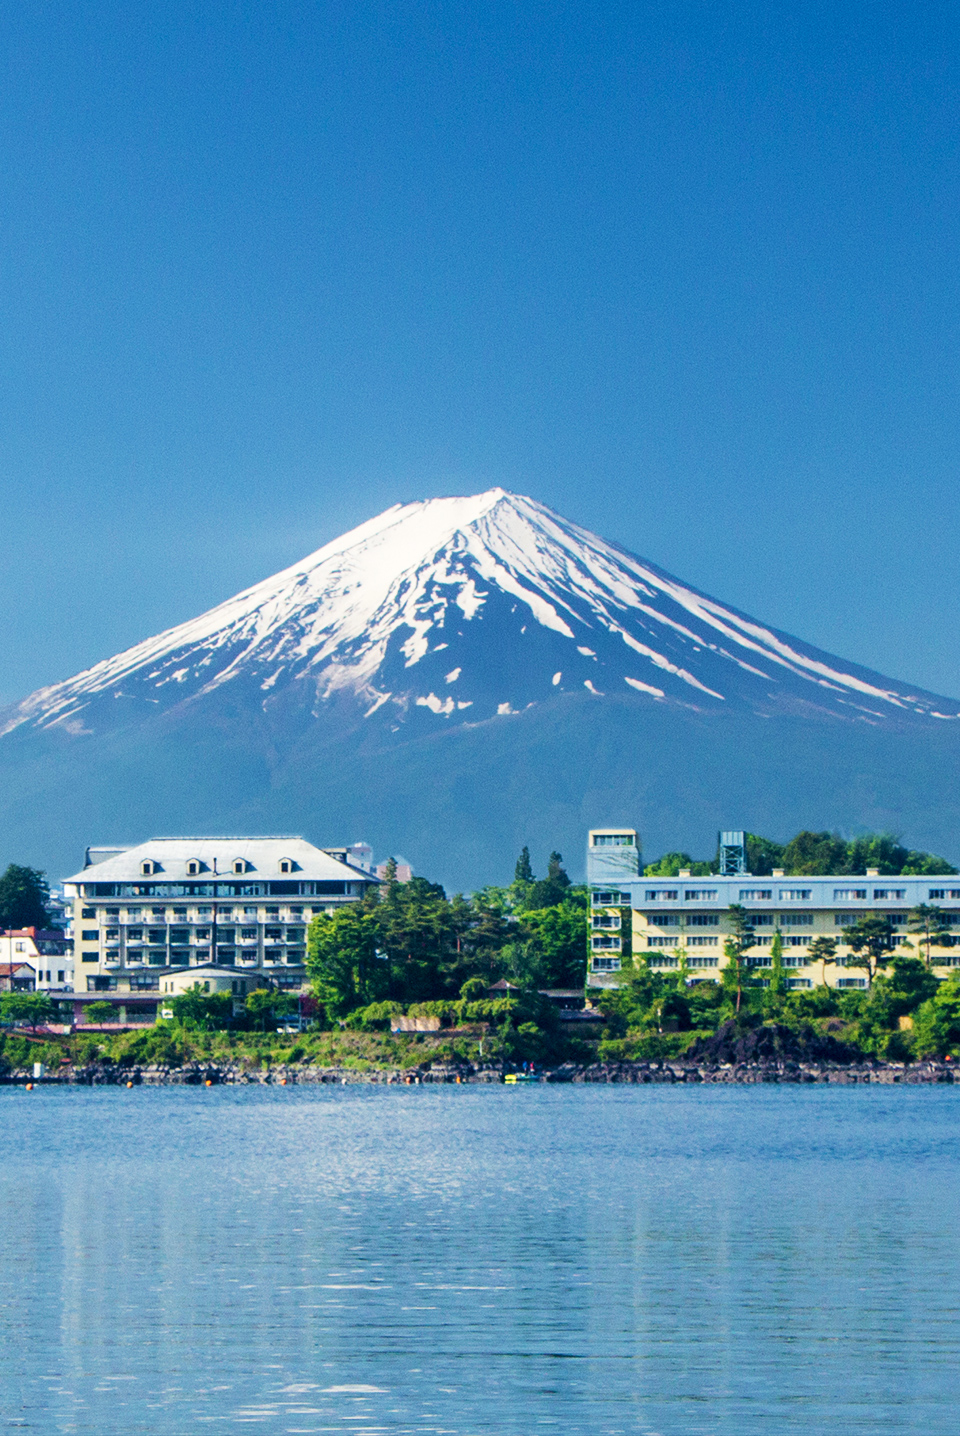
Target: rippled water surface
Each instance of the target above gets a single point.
(480, 1260)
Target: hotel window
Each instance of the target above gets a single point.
(703, 919)
(148, 867)
(602, 940)
(193, 868)
(761, 919)
(796, 894)
(894, 894)
(797, 919)
(603, 899)
(756, 894)
(606, 919)
(662, 941)
(88, 912)
(90, 935)
(247, 933)
(697, 960)
(613, 840)
(797, 941)
(702, 941)
(664, 919)
(239, 865)
(849, 894)
(286, 865)
(605, 964)
(935, 893)
(661, 895)
(700, 895)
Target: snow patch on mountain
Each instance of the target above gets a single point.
(514, 596)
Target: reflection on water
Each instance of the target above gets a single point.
(480, 1261)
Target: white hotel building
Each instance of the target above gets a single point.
(169, 904)
(651, 919)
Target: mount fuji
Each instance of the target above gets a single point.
(460, 676)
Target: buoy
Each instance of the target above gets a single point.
(283, 1081)
(29, 1086)
(209, 1083)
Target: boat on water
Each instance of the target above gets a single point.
(512, 1078)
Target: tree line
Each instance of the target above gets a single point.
(410, 943)
(810, 854)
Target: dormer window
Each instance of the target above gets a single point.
(194, 867)
(286, 865)
(240, 866)
(148, 867)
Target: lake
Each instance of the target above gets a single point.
(481, 1261)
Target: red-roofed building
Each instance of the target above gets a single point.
(17, 977)
(48, 951)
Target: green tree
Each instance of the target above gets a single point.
(671, 865)
(32, 1007)
(736, 947)
(390, 872)
(24, 895)
(778, 981)
(100, 1012)
(870, 939)
(414, 928)
(548, 948)
(809, 854)
(900, 991)
(204, 1011)
(763, 855)
(523, 872)
(921, 864)
(473, 990)
(823, 950)
(266, 1004)
(553, 888)
(936, 1023)
(931, 926)
(342, 959)
(882, 851)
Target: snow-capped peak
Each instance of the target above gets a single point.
(469, 608)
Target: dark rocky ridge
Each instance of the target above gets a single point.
(765, 1071)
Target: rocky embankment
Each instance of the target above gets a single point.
(747, 1054)
(768, 1070)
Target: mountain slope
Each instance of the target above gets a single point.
(460, 676)
(467, 608)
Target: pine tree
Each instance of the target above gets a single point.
(523, 872)
(24, 895)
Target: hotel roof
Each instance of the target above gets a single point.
(216, 858)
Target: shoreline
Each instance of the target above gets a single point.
(100, 1074)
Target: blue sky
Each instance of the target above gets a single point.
(688, 273)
